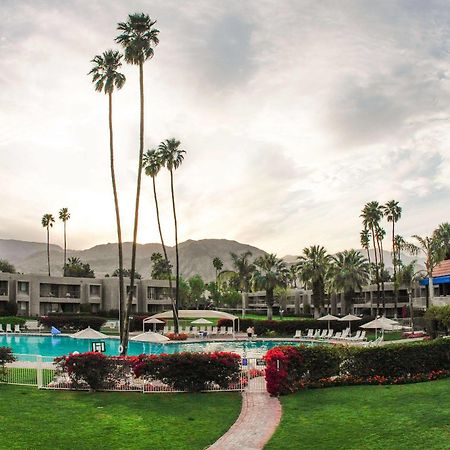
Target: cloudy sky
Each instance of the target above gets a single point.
(293, 115)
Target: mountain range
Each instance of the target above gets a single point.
(195, 256)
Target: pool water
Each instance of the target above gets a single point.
(52, 346)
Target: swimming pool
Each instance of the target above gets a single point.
(52, 346)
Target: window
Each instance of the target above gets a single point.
(23, 287)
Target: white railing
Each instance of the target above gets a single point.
(39, 371)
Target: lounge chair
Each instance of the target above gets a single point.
(323, 334)
(223, 330)
(230, 331)
(344, 334)
(194, 331)
(172, 329)
(310, 334)
(337, 335)
(8, 328)
(355, 337)
(166, 329)
(17, 329)
(316, 334)
(329, 334)
(1, 328)
(298, 334)
(209, 330)
(214, 330)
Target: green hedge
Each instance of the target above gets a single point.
(74, 323)
(12, 321)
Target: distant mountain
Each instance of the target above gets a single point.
(195, 256)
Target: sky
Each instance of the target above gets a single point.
(293, 115)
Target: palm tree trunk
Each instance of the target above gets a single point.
(177, 281)
(380, 247)
(124, 343)
(65, 249)
(394, 263)
(119, 228)
(269, 301)
(155, 196)
(377, 277)
(48, 250)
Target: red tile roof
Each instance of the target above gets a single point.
(442, 269)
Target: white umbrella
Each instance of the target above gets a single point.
(349, 318)
(379, 324)
(201, 321)
(149, 336)
(329, 318)
(152, 320)
(89, 333)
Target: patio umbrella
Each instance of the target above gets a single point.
(152, 320)
(149, 336)
(379, 324)
(350, 318)
(89, 333)
(201, 322)
(329, 318)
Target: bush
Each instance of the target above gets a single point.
(190, 371)
(9, 309)
(6, 356)
(93, 369)
(291, 368)
(177, 337)
(12, 321)
(74, 323)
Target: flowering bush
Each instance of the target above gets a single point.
(189, 371)
(93, 370)
(177, 337)
(6, 356)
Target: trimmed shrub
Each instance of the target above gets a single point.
(93, 369)
(321, 361)
(189, 371)
(12, 321)
(177, 337)
(74, 323)
(6, 356)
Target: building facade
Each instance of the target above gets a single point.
(39, 295)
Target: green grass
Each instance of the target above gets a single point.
(34, 419)
(26, 375)
(414, 416)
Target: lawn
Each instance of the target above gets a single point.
(32, 418)
(414, 416)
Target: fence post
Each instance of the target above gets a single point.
(39, 377)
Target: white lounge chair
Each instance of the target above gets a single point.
(223, 330)
(337, 335)
(209, 330)
(8, 328)
(323, 334)
(310, 333)
(230, 331)
(316, 334)
(1, 328)
(329, 334)
(166, 330)
(355, 337)
(194, 331)
(298, 334)
(344, 334)
(214, 330)
(17, 329)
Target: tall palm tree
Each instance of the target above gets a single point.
(380, 234)
(106, 76)
(314, 264)
(393, 213)
(138, 37)
(172, 157)
(64, 216)
(244, 269)
(152, 164)
(371, 215)
(47, 222)
(432, 249)
(218, 265)
(269, 273)
(365, 241)
(349, 272)
(406, 276)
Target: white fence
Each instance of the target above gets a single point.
(39, 371)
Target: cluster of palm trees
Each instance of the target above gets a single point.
(138, 38)
(47, 222)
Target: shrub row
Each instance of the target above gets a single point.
(290, 368)
(12, 321)
(181, 371)
(74, 323)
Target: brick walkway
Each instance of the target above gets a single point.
(259, 418)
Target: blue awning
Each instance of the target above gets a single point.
(436, 280)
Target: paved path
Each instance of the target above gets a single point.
(259, 418)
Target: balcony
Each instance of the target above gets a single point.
(60, 293)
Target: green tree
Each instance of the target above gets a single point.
(197, 287)
(270, 272)
(6, 266)
(371, 215)
(442, 235)
(47, 222)
(349, 273)
(106, 76)
(407, 276)
(172, 157)
(218, 265)
(365, 241)
(138, 37)
(313, 265)
(244, 269)
(393, 212)
(64, 216)
(76, 268)
(161, 268)
(126, 273)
